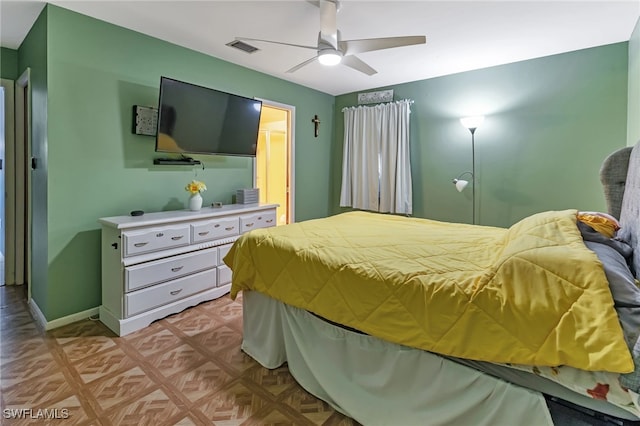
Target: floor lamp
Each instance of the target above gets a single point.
(471, 123)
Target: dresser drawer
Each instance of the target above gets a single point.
(144, 241)
(224, 275)
(222, 252)
(257, 220)
(214, 229)
(162, 294)
(145, 274)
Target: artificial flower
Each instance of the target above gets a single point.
(195, 187)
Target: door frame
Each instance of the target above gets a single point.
(23, 180)
(291, 131)
(9, 182)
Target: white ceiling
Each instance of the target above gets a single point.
(461, 35)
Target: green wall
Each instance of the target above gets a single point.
(633, 105)
(549, 124)
(32, 55)
(97, 167)
(8, 63)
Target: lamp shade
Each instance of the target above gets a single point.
(461, 184)
(472, 122)
(329, 57)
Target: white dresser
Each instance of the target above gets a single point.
(162, 263)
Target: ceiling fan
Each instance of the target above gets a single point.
(332, 50)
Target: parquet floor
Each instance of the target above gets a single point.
(186, 369)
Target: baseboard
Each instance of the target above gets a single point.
(37, 315)
(42, 322)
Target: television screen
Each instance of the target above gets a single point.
(196, 120)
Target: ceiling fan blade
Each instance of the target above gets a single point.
(351, 47)
(358, 64)
(276, 42)
(297, 67)
(328, 23)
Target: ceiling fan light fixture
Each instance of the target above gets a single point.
(329, 57)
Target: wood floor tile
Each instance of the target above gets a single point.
(317, 411)
(123, 387)
(14, 317)
(201, 381)
(187, 313)
(275, 417)
(187, 370)
(71, 406)
(179, 359)
(274, 381)
(29, 367)
(103, 364)
(230, 311)
(195, 324)
(152, 409)
(232, 405)
(91, 346)
(187, 421)
(17, 349)
(218, 338)
(37, 392)
(235, 358)
(19, 332)
(159, 341)
(80, 329)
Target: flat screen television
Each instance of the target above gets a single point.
(197, 120)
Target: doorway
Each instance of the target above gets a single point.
(7, 144)
(274, 168)
(2, 189)
(17, 182)
(21, 210)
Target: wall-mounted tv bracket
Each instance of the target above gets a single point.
(145, 120)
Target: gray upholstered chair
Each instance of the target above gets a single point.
(613, 175)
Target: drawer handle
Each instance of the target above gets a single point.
(249, 225)
(176, 269)
(174, 292)
(140, 244)
(159, 234)
(202, 234)
(269, 220)
(217, 225)
(229, 228)
(177, 238)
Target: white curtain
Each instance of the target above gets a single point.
(376, 168)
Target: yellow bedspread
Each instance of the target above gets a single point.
(531, 294)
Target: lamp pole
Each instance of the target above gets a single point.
(472, 124)
(473, 173)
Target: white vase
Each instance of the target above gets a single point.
(195, 202)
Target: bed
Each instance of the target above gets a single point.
(395, 320)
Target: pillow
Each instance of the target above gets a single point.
(601, 222)
(590, 234)
(622, 283)
(626, 297)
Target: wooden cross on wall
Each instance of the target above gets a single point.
(316, 125)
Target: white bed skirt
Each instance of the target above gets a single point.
(377, 382)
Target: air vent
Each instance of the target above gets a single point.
(240, 45)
